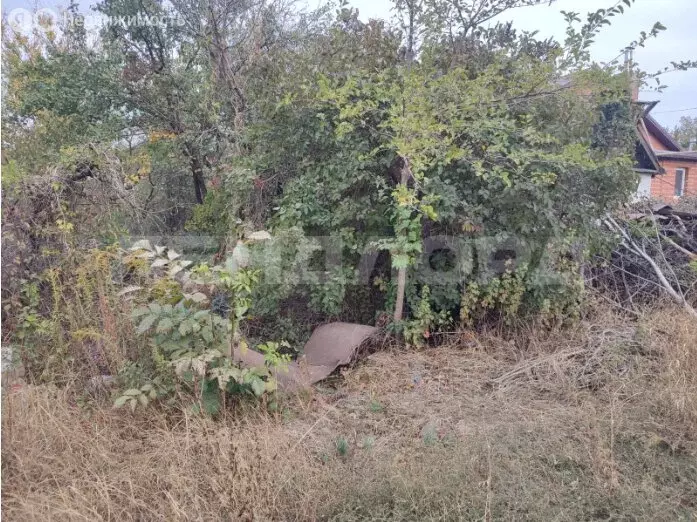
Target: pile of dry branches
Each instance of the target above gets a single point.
(657, 256)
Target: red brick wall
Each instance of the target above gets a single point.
(663, 185)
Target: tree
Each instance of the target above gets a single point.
(685, 132)
(380, 134)
(166, 87)
(488, 140)
(45, 107)
(176, 71)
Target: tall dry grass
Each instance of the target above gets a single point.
(674, 337)
(596, 422)
(80, 328)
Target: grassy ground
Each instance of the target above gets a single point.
(598, 422)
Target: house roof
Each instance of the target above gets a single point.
(682, 155)
(674, 152)
(646, 160)
(659, 132)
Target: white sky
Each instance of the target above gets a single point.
(678, 42)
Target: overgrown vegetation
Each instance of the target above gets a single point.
(200, 179)
(597, 421)
(393, 161)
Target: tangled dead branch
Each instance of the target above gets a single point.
(657, 256)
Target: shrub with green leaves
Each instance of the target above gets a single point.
(492, 142)
(192, 342)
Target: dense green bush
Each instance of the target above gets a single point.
(358, 145)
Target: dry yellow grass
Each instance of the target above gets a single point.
(594, 423)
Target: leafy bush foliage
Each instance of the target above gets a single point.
(357, 145)
(193, 339)
(173, 343)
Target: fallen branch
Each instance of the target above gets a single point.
(684, 250)
(635, 248)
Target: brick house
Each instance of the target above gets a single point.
(666, 171)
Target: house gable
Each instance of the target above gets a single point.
(659, 138)
(679, 167)
(645, 159)
(665, 170)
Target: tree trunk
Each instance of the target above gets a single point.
(401, 287)
(401, 272)
(197, 173)
(199, 182)
(406, 171)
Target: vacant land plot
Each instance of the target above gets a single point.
(593, 423)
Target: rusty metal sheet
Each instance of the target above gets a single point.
(335, 344)
(330, 346)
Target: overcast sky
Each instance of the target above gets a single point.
(678, 42)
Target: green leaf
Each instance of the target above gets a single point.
(210, 399)
(185, 327)
(198, 297)
(121, 401)
(240, 310)
(132, 392)
(258, 386)
(159, 263)
(138, 312)
(143, 244)
(201, 314)
(165, 325)
(146, 323)
(400, 261)
(207, 334)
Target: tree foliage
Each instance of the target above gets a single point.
(685, 132)
(426, 148)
